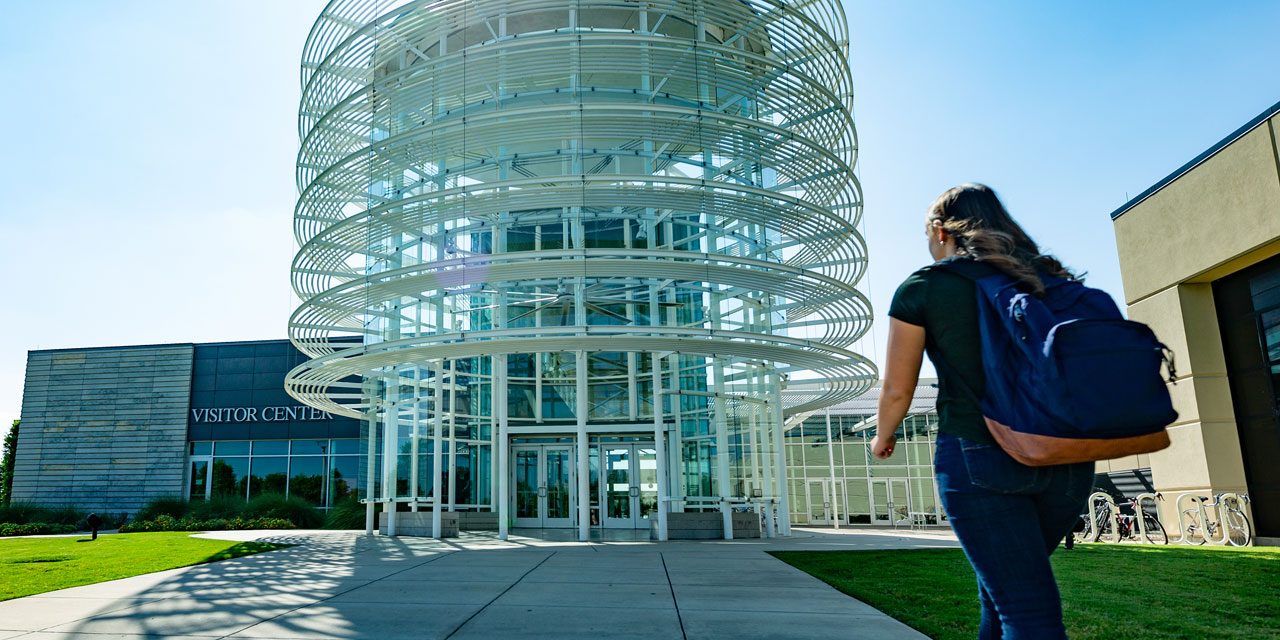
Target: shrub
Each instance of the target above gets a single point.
(163, 505)
(216, 507)
(34, 529)
(62, 515)
(20, 512)
(294, 509)
(345, 514)
(169, 523)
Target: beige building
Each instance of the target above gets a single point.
(1200, 258)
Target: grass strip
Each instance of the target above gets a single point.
(1108, 591)
(35, 565)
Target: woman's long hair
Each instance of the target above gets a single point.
(974, 217)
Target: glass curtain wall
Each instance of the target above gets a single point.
(899, 490)
(322, 472)
(581, 213)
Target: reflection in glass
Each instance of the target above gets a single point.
(526, 484)
(306, 479)
(199, 479)
(558, 483)
(269, 475)
(618, 482)
(230, 477)
(343, 478)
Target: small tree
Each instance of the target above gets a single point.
(6, 464)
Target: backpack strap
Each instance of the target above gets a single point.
(964, 266)
(970, 269)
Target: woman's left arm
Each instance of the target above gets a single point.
(901, 374)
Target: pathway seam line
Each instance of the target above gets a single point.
(495, 598)
(674, 601)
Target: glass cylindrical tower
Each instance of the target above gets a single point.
(579, 222)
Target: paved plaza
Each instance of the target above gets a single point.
(347, 585)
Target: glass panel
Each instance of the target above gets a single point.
(268, 476)
(201, 448)
(233, 448)
(310, 447)
(558, 483)
(648, 481)
(306, 479)
(199, 479)
(271, 448)
(817, 498)
(880, 501)
(343, 478)
(230, 476)
(527, 484)
(617, 477)
(346, 445)
(593, 464)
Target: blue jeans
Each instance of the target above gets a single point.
(1009, 517)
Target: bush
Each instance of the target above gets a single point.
(20, 512)
(345, 514)
(294, 509)
(164, 505)
(169, 523)
(216, 507)
(34, 529)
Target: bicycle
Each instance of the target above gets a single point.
(1237, 530)
(1151, 531)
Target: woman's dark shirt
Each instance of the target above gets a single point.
(946, 305)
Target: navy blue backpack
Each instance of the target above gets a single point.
(1068, 378)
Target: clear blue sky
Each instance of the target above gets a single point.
(147, 173)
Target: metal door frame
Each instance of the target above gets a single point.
(634, 519)
(541, 520)
(830, 507)
(208, 476)
(890, 496)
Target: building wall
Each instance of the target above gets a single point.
(104, 429)
(1213, 219)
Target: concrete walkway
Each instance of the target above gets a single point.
(346, 585)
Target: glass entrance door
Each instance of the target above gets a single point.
(543, 485)
(890, 501)
(198, 487)
(822, 506)
(629, 483)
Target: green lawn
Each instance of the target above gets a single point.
(1108, 591)
(36, 565)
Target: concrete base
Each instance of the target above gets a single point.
(409, 523)
(706, 526)
(477, 520)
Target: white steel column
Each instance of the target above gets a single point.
(370, 507)
(584, 473)
(451, 496)
(722, 449)
(438, 418)
(831, 465)
(784, 503)
(390, 436)
(504, 475)
(414, 439)
(659, 445)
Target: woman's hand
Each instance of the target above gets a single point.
(883, 445)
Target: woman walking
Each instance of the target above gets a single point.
(1009, 517)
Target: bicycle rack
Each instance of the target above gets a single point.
(1138, 512)
(1093, 514)
(1204, 520)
